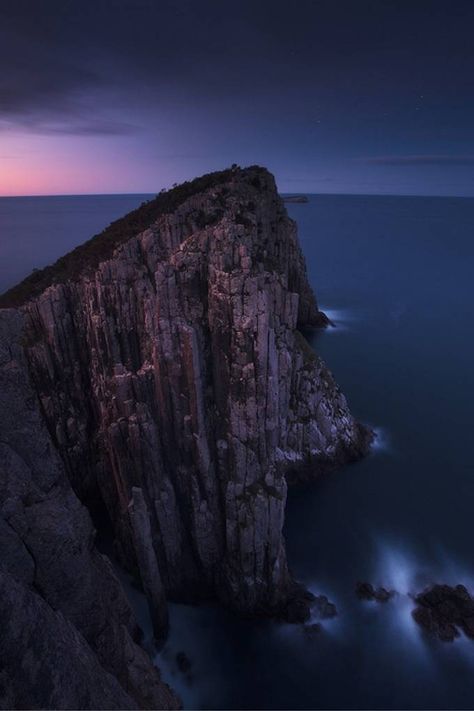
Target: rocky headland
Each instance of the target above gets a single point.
(159, 379)
(295, 198)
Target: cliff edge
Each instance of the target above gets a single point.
(169, 365)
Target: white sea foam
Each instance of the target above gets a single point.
(341, 318)
(398, 569)
(334, 626)
(463, 648)
(382, 442)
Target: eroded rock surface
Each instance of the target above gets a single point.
(167, 360)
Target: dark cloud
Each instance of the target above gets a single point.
(306, 89)
(71, 124)
(64, 57)
(422, 160)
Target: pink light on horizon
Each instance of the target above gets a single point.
(72, 165)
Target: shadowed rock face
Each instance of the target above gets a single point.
(67, 633)
(179, 390)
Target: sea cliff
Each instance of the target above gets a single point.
(166, 365)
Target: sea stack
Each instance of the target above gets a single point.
(167, 366)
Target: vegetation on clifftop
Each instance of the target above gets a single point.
(100, 247)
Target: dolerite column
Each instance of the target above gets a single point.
(147, 562)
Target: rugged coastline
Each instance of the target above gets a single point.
(165, 366)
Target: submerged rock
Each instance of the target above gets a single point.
(366, 591)
(443, 611)
(323, 608)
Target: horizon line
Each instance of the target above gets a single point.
(283, 193)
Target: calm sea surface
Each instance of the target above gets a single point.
(396, 275)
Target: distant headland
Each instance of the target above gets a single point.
(295, 198)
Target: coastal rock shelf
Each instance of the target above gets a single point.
(169, 365)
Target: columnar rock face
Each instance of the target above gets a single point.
(67, 631)
(179, 390)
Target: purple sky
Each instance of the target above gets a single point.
(364, 96)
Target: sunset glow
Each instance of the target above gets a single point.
(148, 94)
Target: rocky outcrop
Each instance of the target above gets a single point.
(323, 608)
(179, 390)
(68, 636)
(366, 591)
(444, 610)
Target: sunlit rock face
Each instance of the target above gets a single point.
(179, 390)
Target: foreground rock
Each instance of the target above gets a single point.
(443, 611)
(68, 635)
(366, 591)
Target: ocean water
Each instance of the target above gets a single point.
(35, 231)
(395, 275)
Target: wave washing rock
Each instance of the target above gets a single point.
(366, 591)
(170, 367)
